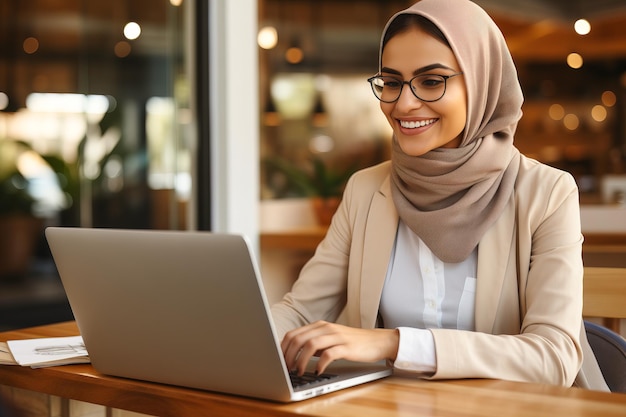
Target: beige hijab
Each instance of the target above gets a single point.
(450, 197)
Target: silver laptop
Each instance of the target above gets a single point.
(181, 308)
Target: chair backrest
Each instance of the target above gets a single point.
(609, 349)
(604, 295)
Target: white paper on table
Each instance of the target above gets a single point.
(49, 351)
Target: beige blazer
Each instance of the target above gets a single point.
(528, 316)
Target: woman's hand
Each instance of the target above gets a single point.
(332, 341)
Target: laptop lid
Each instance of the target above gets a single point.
(181, 308)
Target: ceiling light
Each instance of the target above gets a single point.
(575, 60)
(556, 111)
(582, 26)
(267, 37)
(598, 113)
(30, 45)
(122, 49)
(609, 99)
(132, 30)
(294, 55)
(571, 121)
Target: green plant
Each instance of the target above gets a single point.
(317, 179)
(14, 197)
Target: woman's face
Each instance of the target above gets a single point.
(421, 126)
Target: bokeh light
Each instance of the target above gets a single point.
(30, 45)
(609, 99)
(575, 60)
(556, 111)
(571, 121)
(598, 113)
(582, 26)
(267, 37)
(132, 30)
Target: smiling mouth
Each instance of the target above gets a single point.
(411, 124)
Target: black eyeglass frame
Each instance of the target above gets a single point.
(445, 86)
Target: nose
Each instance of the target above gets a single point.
(407, 99)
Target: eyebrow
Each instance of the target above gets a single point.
(419, 70)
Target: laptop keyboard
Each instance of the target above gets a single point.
(308, 378)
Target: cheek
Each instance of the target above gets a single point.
(387, 108)
(460, 119)
(457, 113)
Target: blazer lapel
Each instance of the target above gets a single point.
(380, 234)
(492, 269)
(379, 238)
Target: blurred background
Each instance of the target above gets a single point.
(100, 125)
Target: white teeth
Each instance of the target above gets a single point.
(413, 124)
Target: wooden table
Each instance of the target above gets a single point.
(393, 396)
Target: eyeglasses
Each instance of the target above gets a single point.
(426, 87)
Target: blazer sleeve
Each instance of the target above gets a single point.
(319, 293)
(548, 268)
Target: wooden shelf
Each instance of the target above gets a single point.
(305, 239)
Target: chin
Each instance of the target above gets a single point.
(413, 149)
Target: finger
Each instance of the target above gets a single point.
(289, 345)
(329, 356)
(316, 346)
(295, 341)
(289, 337)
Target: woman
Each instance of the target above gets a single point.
(460, 257)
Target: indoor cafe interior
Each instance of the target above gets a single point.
(173, 115)
(248, 117)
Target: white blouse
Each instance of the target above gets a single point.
(423, 292)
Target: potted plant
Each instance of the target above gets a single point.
(20, 229)
(317, 180)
